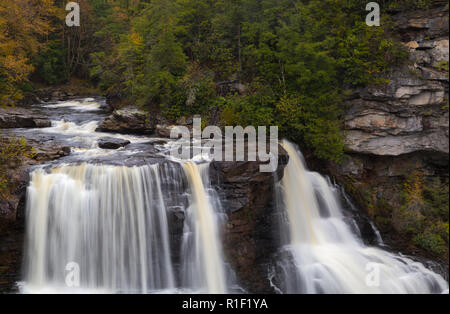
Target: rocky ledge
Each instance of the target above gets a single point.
(21, 118)
(127, 121)
(410, 113)
(250, 236)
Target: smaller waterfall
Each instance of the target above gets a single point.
(322, 255)
(204, 266)
(109, 220)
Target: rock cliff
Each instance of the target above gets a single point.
(401, 129)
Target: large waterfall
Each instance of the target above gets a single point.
(322, 255)
(111, 221)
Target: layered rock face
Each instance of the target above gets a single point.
(408, 114)
(250, 238)
(394, 130)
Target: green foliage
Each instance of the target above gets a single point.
(431, 242)
(436, 196)
(409, 4)
(50, 64)
(12, 151)
(296, 59)
(442, 66)
(424, 214)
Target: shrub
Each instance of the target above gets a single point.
(431, 242)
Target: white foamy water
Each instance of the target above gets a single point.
(323, 255)
(203, 266)
(87, 104)
(112, 221)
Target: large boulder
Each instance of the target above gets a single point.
(11, 118)
(112, 143)
(127, 121)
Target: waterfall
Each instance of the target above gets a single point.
(112, 222)
(204, 267)
(322, 255)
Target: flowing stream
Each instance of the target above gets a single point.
(322, 255)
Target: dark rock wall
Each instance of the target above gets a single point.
(250, 237)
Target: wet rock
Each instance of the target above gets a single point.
(127, 121)
(164, 130)
(249, 237)
(21, 118)
(112, 143)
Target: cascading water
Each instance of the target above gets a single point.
(203, 266)
(114, 222)
(322, 255)
(109, 220)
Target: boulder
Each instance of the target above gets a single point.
(127, 121)
(112, 143)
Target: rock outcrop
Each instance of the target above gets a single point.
(21, 118)
(250, 237)
(127, 121)
(410, 113)
(394, 130)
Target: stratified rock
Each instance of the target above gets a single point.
(21, 118)
(127, 121)
(402, 127)
(112, 143)
(410, 113)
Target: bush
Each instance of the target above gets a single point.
(424, 214)
(431, 242)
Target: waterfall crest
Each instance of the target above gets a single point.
(322, 255)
